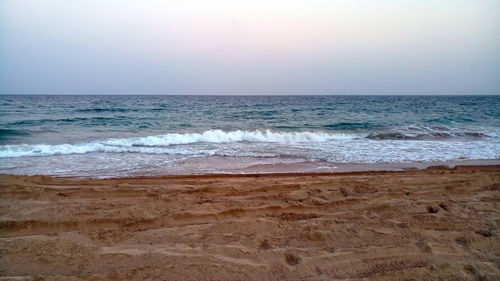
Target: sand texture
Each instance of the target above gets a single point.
(434, 224)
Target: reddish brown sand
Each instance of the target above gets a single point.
(434, 224)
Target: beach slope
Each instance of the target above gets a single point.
(437, 223)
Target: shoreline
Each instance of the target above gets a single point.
(300, 168)
(327, 167)
(433, 223)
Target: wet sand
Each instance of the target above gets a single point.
(433, 224)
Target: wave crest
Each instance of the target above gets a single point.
(161, 144)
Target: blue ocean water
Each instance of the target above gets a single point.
(107, 136)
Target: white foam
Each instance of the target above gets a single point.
(160, 144)
(219, 136)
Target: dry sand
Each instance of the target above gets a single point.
(434, 224)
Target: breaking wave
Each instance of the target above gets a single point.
(161, 144)
(205, 143)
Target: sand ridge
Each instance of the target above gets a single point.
(437, 223)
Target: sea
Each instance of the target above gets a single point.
(138, 135)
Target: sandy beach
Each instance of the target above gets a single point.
(432, 224)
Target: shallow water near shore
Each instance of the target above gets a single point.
(114, 136)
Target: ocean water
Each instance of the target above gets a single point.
(114, 136)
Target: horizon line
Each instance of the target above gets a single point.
(297, 94)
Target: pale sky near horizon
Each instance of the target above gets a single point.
(250, 47)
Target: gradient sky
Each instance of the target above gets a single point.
(250, 47)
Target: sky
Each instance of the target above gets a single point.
(250, 47)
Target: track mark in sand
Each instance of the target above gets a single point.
(294, 227)
(295, 216)
(443, 206)
(389, 266)
(292, 259)
(173, 252)
(432, 209)
(355, 190)
(423, 246)
(494, 186)
(485, 232)
(39, 227)
(264, 245)
(462, 242)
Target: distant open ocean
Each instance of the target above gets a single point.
(116, 136)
